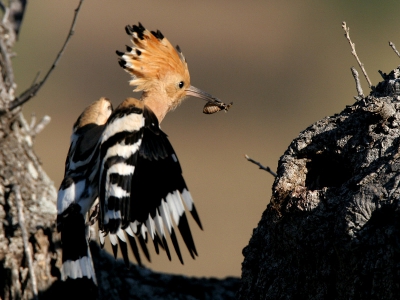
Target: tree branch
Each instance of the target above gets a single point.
(394, 48)
(31, 92)
(260, 165)
(40, 126)
(353, 51)
(358, 85)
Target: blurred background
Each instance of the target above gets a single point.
(284, 65)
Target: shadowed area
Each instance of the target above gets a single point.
(116, 281)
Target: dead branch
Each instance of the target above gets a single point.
(357, 79)
(394, 48)
(260, 165)
(35, 130)
(31, 91)
(353, 51)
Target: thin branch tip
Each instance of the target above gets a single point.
(392, 45)
(353, 51)
(268, 169)
(40, 126)
(35, 87)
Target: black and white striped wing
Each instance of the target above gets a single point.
(142, 191)
(76, 195)
(159, 192)
(118, 155)
(79, 190)
(81, 150)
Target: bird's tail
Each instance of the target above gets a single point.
(76, 260)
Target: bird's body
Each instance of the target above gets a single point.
(142, 193)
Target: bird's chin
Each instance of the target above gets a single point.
(174, 105)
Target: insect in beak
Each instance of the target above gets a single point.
(213, 104)
(212, 108)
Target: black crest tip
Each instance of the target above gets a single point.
(129, 29)
(139, 31)
(122, 63)
(128, 49)
(119, 53)
(158, 34)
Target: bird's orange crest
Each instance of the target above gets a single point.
(151, 59)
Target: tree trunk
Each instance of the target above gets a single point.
(27, 207)
(332, 228)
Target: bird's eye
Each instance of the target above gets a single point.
(181, 84)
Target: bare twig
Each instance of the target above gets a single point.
(21, 221)
(31, 92)
(353, 51)
(357, 79)
(33, 121)
(394, 48)
(40, 126)
(35, 80)
(260, 165)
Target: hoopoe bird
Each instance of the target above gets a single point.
(79, 190)
(142, 191)
(126, 160)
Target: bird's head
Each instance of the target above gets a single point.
(159, 70)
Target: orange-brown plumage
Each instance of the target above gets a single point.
(159, 70)
(129, 102)
(96, 113)
(153, 59)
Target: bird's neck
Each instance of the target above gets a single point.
(159, 103)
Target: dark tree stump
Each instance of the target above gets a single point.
(332, 228)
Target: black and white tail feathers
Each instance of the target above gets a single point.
(142, 191)
(79, 189)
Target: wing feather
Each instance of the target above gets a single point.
(142, 189)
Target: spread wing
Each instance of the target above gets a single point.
(142, 190)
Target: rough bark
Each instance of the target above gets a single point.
(27, 207)
(30, 255)
(332, 228)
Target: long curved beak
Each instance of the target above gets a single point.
(195, 92)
